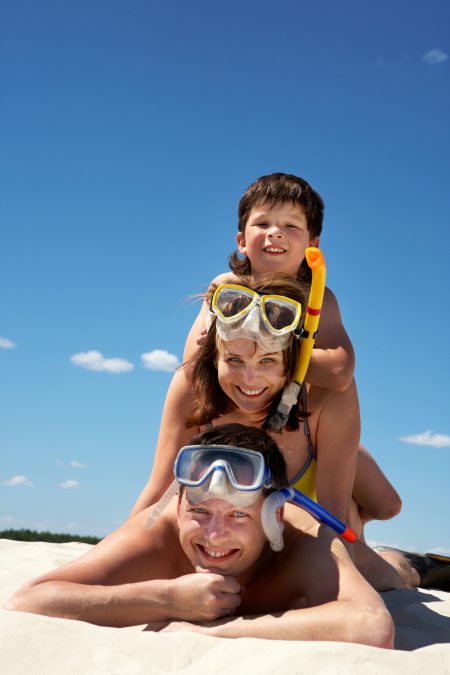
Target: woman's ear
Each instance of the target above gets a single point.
(240, 240)
(315, 241)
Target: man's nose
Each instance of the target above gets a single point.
(216, 530)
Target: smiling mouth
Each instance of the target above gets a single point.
(251, 393)
(217, 556)
(274, 250)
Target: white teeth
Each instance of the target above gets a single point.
(251, 392)
(272, 249)
(217, 554)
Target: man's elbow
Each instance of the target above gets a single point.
(17, 602)
(23, 600)
(379, 630)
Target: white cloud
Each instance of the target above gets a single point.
(75, 464)
(69, 484)
(7, 519)
(428, 438)
(434, 56)
(160, 359)
(6, 344)
(93, 360)
(19, 481)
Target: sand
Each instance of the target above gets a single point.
(42, 645)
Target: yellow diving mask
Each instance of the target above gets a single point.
(269, 320)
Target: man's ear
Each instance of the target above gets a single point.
(279, 513)
(240, 240)
(315, 241)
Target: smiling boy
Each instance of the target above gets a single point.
(206, 565)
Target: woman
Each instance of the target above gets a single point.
(239, 373)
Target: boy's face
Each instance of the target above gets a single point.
(217, 536)
(275, 238)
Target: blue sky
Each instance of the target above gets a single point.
(129, 131)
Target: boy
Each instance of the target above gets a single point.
(279, 217)
(207, 558)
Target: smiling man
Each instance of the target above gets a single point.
(207, 563)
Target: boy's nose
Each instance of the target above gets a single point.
(275, 231)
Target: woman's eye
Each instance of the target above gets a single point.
(234, 359)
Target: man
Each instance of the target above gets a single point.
(206, 564)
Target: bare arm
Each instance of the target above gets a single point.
(337, 440)
(133, 577)
(343, 607)
(333, 360)
(173, 433)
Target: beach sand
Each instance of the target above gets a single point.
(42, 645)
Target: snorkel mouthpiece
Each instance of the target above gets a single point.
(273, 528)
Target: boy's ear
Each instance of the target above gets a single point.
(240, 240)
(314, 242)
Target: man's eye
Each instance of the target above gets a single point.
(239, 514)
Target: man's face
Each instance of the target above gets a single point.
(220, 537)
(275, 238)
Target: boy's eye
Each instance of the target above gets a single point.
(291, 226)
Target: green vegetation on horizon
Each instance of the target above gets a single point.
(33, 535)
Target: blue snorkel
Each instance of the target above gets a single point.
(273, 529)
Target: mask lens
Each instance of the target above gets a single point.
(231, 302)
(244, 468)
(280, 314)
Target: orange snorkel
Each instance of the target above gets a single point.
(316, 262)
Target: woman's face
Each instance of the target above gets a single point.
(250, 376)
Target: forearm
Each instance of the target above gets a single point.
(337, 621)
(337, 443)
(117, 606)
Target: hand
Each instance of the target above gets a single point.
(202, 337)
(205, 596)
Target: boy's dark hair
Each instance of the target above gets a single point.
(252, 438)
(279, 188)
